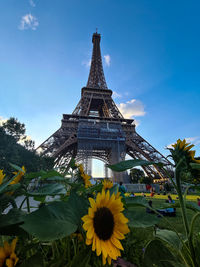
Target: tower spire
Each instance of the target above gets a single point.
(96, 77)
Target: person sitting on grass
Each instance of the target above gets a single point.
(170, 200)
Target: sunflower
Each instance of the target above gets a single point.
(85, 177)
(1, 176)
(105, 225)
(107, 184)
(7, 254)
(19, 175)
(182, 150)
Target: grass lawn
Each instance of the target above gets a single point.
(174, 196)
(139, 237)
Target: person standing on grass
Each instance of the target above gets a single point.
(122, 189)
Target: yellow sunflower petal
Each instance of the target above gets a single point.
(98, 200)
(2, 253)
(87, 225)
(121, 218)
(103, 248)
(116, 242)
(98, 247)
(7, 248)
(86, 218)
(92, 202)
(109, 260)
(88, 241)
(91, 212)
(13, 244)
(112, 251)
(122, 228)
(9, 263)
(103, 260)
(90, 233)
(94, 243)
(118, 235)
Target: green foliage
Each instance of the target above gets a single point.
(158, 255)
(129, 164)
(146, 180)
(136, 175)
(51, 225)
(12, 152)
(14, 128)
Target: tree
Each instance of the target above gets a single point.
(136, 175)
(146, 180)
(17, 129)
(13, 127)
(12, 152)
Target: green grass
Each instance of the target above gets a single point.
(139, 237)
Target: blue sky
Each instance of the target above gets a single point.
(152, 52)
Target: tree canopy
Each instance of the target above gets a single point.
(136, 175)
(12, 152)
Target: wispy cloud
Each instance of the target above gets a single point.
(116, 95)
(132, 108)
(28, 21)
(194, 140)
(107, 60)
(2, 120)
(32, 3)
(86, 63)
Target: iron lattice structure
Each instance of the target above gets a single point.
(97, 129)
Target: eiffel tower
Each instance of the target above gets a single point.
(97, 129)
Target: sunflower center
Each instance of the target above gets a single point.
(103, 223)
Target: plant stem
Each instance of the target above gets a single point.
(28, 204)
(183, 212)
(20, 207)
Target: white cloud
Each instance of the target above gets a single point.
(131, 108)
(2, 120)
(107, 60)
(194, 140)
(31, 2)
(116, 95)
(28, 21)
(87, 63)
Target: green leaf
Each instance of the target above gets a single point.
(193, 206)
(14, 216)
(129, 164)
(11, 188)
(3, 187)
(195, 166)
(10, 222)
(16, 167)
(170, 237)
(57, 179)
(33, 175)
(56, 220)
(113, 189)
(157, 254)
(49, 190)
(139, 218)
(49, 174)
(39, 198)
